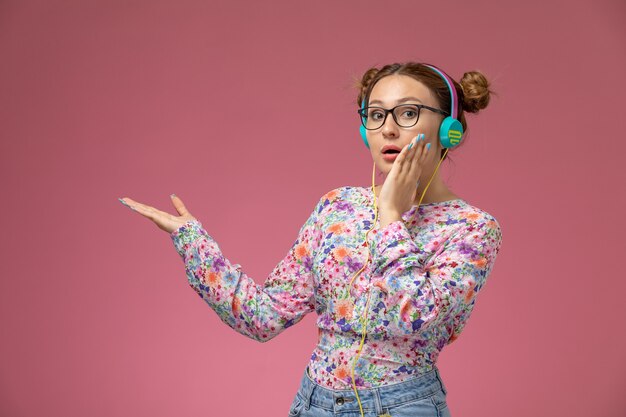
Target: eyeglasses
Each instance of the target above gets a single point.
(405, 115)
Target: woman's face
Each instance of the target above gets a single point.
(388, 93)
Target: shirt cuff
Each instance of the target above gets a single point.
(185, 235)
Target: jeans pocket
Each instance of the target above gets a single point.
(422, 407)
(296, 406)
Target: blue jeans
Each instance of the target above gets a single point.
(421, 396)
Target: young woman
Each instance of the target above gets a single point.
(392, 271)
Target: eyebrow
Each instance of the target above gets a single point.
(402, 100)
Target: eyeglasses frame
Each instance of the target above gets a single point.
(363, 111)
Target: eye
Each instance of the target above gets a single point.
(408, 112)
(377, 115)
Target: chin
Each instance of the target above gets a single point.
(384, 167)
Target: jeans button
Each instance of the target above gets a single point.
(339, 401)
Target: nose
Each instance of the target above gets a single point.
(390, 128)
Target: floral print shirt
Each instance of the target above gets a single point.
(422, 279)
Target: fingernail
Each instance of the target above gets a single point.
(410, 145)
(422, 135)
(172, 195)
(126, 204)
(427, 146)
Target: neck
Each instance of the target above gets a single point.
(437, 191)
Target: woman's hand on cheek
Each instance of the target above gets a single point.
(400, 188)
(164, 221)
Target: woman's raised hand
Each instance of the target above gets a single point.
(400, 188)
(163, 220)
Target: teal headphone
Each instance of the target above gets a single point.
(450, 130)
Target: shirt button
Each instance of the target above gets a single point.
(339, 401)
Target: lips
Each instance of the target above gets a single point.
(390, 149)
(390, 157)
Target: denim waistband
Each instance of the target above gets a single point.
(376, 399)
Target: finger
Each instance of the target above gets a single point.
(422, 157)
(408, 157)
(426, 151)
(130, 203)
(143, 210)
(417, 161)
(178, 204)
(396, 168)
(126, 204)
(404, 158)
(421, 138)
(415, 145)
(147, 211)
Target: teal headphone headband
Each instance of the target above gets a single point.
(451, 129)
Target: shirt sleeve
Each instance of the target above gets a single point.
(416, 294)
(259, 312)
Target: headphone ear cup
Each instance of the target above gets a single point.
(450, 132)
(363, 132)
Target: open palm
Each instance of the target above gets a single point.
(164, 221)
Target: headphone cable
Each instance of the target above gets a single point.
(364, 317)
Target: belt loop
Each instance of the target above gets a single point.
(377, 402)
(443, 387)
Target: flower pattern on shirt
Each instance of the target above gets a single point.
(421, 279)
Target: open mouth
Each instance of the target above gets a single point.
(390, 152)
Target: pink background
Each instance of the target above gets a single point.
(246, 110)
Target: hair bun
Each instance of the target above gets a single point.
(476, 91)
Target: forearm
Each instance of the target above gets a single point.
(257, 311)
(413, 292)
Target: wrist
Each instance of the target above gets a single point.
(388, 216)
